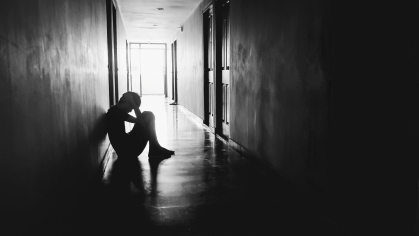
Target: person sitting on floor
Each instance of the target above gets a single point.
(132, 144)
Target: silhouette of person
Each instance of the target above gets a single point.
(131, 145)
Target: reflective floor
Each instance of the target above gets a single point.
(206, 188)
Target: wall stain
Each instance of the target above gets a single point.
(242, 54)
(15, 45)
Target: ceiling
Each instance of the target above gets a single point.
(144, 23)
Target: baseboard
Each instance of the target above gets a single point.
(221, 138)
(264, 168)
(96, 180)
(102, 166)
(193, 116)
(106, 158)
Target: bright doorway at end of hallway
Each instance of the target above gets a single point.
(148, 68)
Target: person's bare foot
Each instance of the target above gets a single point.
(160, 152)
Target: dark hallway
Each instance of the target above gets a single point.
(288, 117)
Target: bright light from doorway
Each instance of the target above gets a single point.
(148, 68)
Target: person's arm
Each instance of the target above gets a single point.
(132, 119)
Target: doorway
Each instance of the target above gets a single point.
(174, 74)
(217, 67)
(223, 69)
(209, 89)
(112, 52)
(148, 68)
(129, 79)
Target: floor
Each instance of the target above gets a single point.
(206, 188)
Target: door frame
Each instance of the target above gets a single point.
(112, 51)
(207, 96)
(223, 112)
(220, 112)
(129, 78)
(174, 73)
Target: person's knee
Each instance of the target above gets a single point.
(148, 116)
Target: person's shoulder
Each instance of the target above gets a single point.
(112, 110)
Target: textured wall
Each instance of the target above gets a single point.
(281, 57)
(327, 95)
(53, 96)
(190, 62)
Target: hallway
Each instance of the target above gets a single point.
(320, 96)
(205, 189)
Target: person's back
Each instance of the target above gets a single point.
(115, 125)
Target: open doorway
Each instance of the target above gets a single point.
(148, 68)
(209, 89)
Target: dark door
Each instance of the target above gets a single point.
(112, 52)
(223, 69)
(129, 84)
(209, 89)
(172, 50)
(174, 74)
(165, 70)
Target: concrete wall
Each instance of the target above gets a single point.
(280, 91)
(190, 62)
(326, 95)
(54, 94)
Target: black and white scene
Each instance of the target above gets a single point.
(209, 118)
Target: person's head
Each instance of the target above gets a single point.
(136, 97)
(124, 101)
